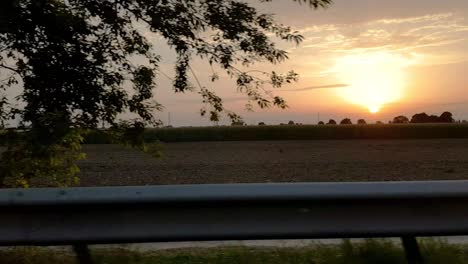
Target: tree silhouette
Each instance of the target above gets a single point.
(261, 124)
(291, 123)
(70, 60)
(420, 118)
(446, 117)
(331, 122)
(400, 120)
(346, 121)
(362, 122)
(321, 123)
(433, 119)
(238, 123)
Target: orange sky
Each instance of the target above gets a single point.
(416, 53)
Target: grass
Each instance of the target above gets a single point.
(371, 251)
(304, 132)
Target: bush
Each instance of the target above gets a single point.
(346, 121)
(400, 120)
(54, 164)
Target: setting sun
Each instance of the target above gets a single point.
(374, 79)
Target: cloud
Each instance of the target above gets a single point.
(330, 86)
(417, 19)
(319, 28)
(419, 36)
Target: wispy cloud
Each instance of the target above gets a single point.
(330, 86)
(443, 33)
(417, 19)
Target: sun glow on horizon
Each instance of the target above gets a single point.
(374, 109)
(374, 79)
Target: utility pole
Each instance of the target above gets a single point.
(169, 118)
(318, 117)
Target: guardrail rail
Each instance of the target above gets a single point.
(109, 215)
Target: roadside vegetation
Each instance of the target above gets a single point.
(371, 251)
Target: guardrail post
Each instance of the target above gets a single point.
(82, 254)
(413, 254)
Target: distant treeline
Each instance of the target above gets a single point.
(445, 117)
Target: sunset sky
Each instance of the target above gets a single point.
(394, 57)
(371, 59)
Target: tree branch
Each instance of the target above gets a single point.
(9, 68)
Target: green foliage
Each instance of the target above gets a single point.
(28, 161)
(132, 134)
(439, 251)
(34, 255)
(371, 251)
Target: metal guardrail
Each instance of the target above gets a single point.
(107, 215)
